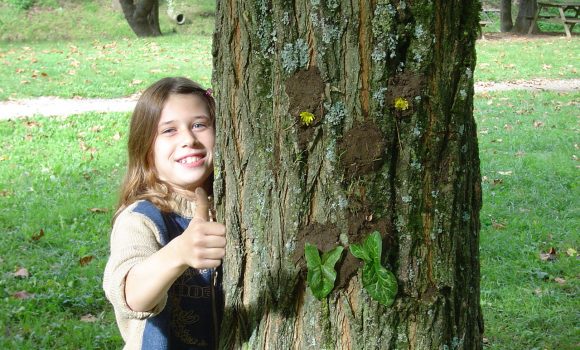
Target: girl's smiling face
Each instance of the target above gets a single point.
(183, 148)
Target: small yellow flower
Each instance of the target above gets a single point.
(401, 104)
(307, 118)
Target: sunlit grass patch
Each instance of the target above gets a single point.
(528, 149)
(58, 188)
(100, 68)
(527, 58)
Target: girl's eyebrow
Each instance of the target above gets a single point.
(195, 117)
(166, 122)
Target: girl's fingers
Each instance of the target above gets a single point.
(215, 242)
(201, 205)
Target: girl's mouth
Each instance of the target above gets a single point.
(188, 160)
(192, 161)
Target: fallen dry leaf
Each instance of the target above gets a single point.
(509, 172)
(550, 255)
(86, 148)
(559, 280)
(85, 260)
(21, 273)
(37, 236)
(22, 295)
(538, 123)
(89, 318)
(99, 210)
(571, 252)
(497, 225)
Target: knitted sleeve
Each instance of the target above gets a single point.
(133, 239)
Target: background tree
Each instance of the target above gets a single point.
(506, 22)
(392, 148)
(526, 11)
(142, 16)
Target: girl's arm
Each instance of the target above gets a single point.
(201, 246)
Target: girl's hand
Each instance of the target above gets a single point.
(202, 245)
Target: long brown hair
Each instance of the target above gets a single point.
(141, 181)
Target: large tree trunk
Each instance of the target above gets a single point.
(526, 13)
(362, 166)
(142, 16)
(506, 22)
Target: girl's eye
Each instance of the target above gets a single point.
(168, 131)
(198, 126)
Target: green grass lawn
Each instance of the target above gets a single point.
(527, 58)
(87, 49)
(528, 149)
(57, 204)
(55, 219)
(100, 68)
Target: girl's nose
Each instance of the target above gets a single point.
(189, 139)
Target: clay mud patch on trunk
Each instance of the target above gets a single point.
(324, 237)
(305, 91)
(362, 150)
(406, 86)
(360, 226)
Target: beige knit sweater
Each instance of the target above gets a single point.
(134, 238)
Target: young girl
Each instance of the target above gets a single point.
(161, 275)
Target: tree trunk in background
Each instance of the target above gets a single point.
(142, 16)
(506, 22)
(362, 166)
(526, 13)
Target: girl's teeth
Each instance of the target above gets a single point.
(189, 160)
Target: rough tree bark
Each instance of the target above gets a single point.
(526, 12)
(142, 16)
(506, 22)
(363, 165)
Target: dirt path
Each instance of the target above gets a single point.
(52, 106)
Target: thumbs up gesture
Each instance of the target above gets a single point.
(203, 242)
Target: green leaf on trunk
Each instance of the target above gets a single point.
(321, 273)
(359, 252)
(380, 283)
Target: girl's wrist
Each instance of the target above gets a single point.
(176, 253)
